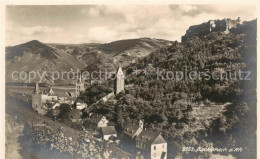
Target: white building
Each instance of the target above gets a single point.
(108, 131)
(151, 145)
(99, 120)
(132, 130)
(80, 104)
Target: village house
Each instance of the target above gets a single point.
(151, 145)
(117, 153)
(80, 104)
(108, 131)
(54, 106)
(132, 130)
(70, 100)
(99, 120)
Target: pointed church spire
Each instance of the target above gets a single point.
(119, 71)
(37, 88)
(51, 92)
(79, 85)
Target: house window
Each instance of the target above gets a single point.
(154, 147)
(162, 146)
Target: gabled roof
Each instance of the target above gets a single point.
(118, 152)
(108, 130)
(49, 91)
(119, 71)
(159, 140)
(150, 137)
(71, 99)
(130, 129)
(96, 117)
(80, 101)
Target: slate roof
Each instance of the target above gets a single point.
(49, 91)
(96, 117)
(71, 99)
(108, 130)
(130, 129)
(80, 101)
(118, 152)
(150, 137)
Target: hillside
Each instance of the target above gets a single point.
(34, 47)
(110, 55)
(201, 109)
(41, 133)
(36, 56)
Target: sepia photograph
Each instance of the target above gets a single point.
(130, 81)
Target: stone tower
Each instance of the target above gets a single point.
(36, 97)
(119, 81)
(79, 86)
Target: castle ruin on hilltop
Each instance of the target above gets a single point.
(211, 26)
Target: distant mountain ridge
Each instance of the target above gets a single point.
(37, 56)
(110, 55)
(33, 46)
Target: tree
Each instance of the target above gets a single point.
(64, 111)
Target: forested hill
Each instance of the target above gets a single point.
(195, 111)
(172, 100)
(215, 52)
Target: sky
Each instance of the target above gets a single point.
(74, 24)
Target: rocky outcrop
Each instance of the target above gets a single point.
(211, 26)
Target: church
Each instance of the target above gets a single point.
(79, 86)
(40, 99)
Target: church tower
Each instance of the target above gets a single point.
(119, 81)
(36, 97)
(79, 86)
